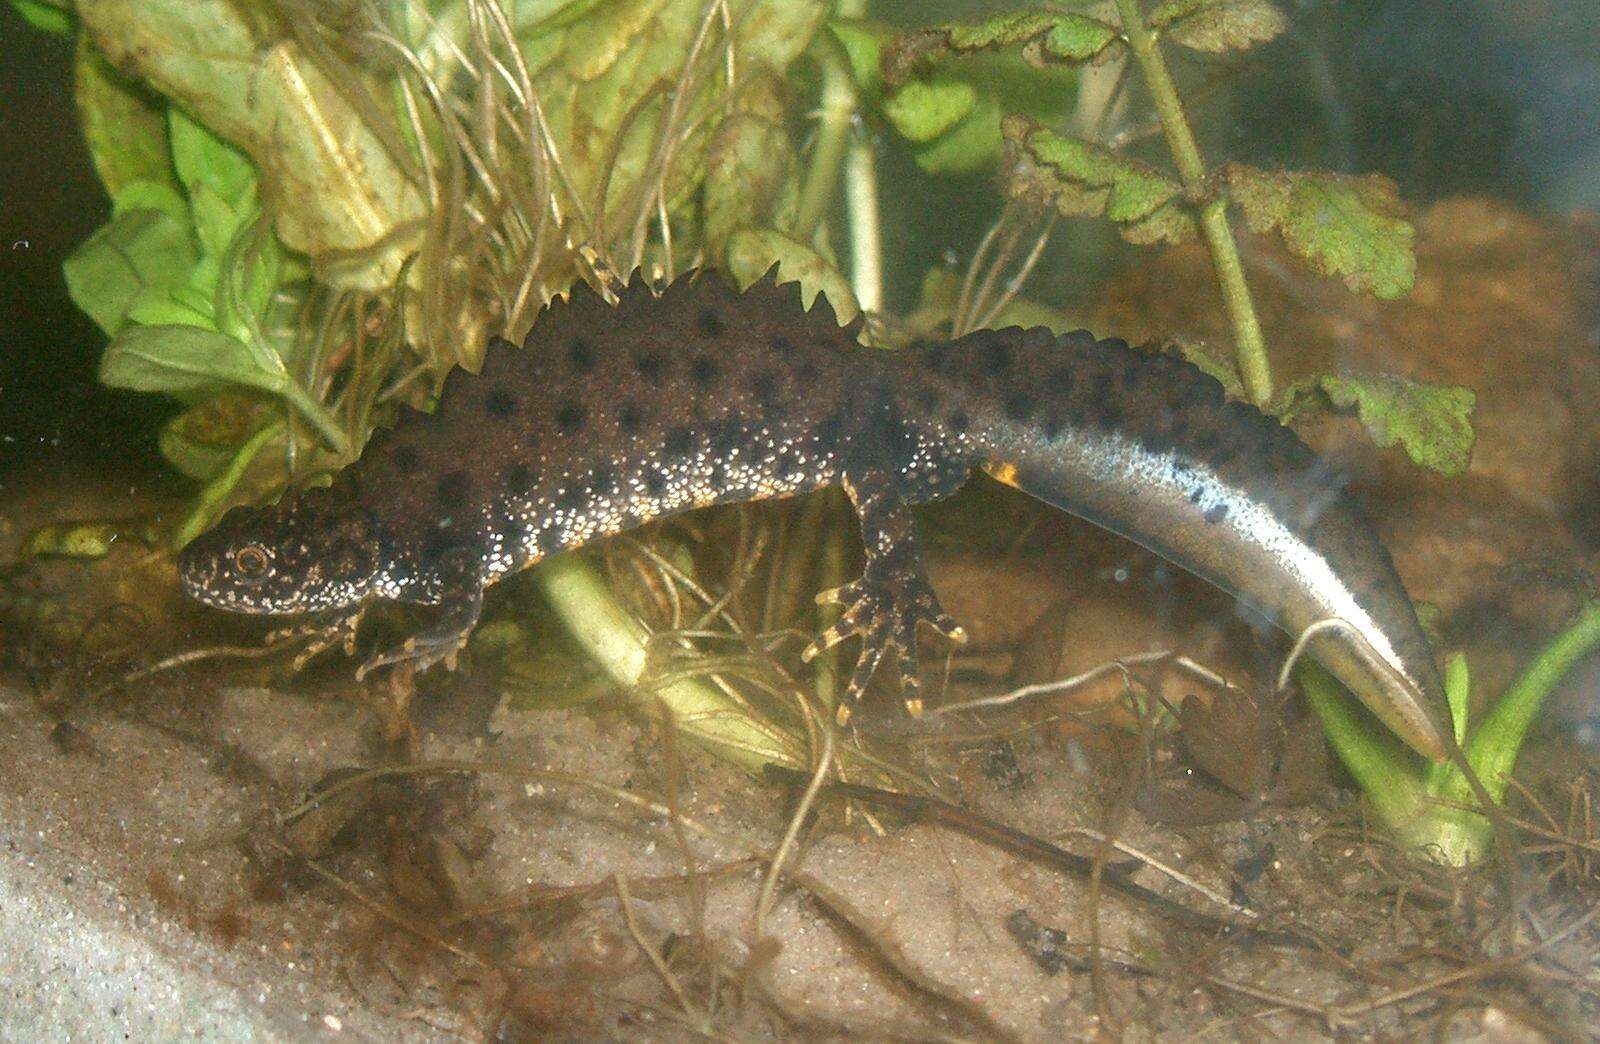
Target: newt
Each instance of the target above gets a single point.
(610, 416)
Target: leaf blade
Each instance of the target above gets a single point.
(139, 251)
(1342, 226)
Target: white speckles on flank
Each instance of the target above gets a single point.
(567, 512)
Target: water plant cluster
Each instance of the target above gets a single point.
(318, 210)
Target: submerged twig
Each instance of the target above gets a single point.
(1037, 850)
(1093, 674)
(183, 659)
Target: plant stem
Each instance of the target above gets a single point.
(1493, 748)
(866, 234)
(611, 634)
(1431, 808)
(1381, 767)
(325, 423)
(1250, 347)
(836, 109)
(216, 491)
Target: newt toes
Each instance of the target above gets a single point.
(609, 417)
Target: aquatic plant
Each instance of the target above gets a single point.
(318, 211)
(1344, 226)
(1433, 806)
(1341, 225)
(323, 209)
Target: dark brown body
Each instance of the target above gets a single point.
(611, 416)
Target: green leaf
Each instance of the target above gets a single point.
(749, 163)
(220, 181)
(148, 194)
(971, 145)
(752, 253)
(179, 306)
(1343, 226)
(338, 191)
(1383, 768)
(1213, 365)
(863, 42)
(219, 490)
(597, 40)
(1431, 422)
(953, 117)
(124, 123)
(607, 127)
(203, 440)
(1083, 179)
(1458, 695)
(185, 361)
(1046, 37)
(52, 18)
(1219, 25)
(141, 250)
(247, 275)
(924, 109)
(188, 362)
(1000, 31)
(1075, 38)
(1496, 740)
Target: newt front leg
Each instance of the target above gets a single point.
(323, 633)
(892, 597)
(461, 584)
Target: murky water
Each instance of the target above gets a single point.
(1407, 272)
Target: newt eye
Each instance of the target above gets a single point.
(251, 562)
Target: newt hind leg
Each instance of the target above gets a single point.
(892, 597)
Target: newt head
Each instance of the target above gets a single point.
(300, 555)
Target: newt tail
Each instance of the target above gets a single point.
(609, 417)
(1149, 447)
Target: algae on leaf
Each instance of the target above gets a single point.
(753, 252)
(1432, 423)
(202, 440)
(1215, 26)
(1046, 37)
(1342, 225)
(1083, 179)
(750, 178)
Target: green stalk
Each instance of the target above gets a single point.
(312, 410)
(861, 192)
(1250, 347)
(1431, 806)
(1381, 766)
(836, 110)
(616, 640)
(217, 490)
(866, 235)
(1495, 742)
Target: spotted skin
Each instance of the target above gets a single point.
(609, 417)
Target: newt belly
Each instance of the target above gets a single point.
(608, 417)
